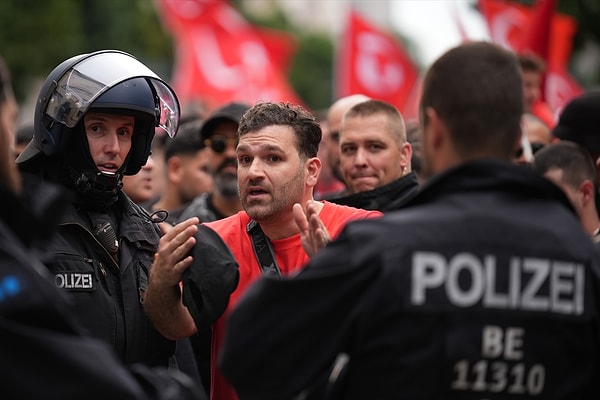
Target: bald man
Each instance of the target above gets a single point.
(334, 120)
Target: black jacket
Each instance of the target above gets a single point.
(485, 286)
(107, 294)
(43, 350)
(384, 198)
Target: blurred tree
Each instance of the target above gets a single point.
(312, 72)
(35, 36)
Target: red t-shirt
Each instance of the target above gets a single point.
(289, 255)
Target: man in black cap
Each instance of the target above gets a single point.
(579, 122)
(219, 134)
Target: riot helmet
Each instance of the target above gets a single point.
(109, 80)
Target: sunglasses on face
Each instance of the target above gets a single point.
(219, 144)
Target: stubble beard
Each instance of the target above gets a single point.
(280, 204)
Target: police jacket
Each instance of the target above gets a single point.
(485, 286)
(107, 293)
(44, 352)
(383, 198)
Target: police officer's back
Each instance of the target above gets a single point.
(449, 297)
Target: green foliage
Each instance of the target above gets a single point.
(312, 72)
(35, 36)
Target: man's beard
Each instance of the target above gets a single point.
(227, 185)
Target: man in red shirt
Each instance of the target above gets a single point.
(278, 169)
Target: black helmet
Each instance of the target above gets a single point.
(107, 79)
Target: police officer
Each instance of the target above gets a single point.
(486, 286)
(95, 118)
(45, 353)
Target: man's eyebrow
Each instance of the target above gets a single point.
(262, 147)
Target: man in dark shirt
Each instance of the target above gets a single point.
(448, 297)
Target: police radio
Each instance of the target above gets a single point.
(107, 237)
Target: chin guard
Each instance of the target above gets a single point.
(101, 181)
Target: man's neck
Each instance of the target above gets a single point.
(591, 223)
(283, 226)
(280, 229)
(169, 201)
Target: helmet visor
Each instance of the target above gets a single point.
(83, 83)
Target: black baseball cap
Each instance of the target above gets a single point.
(229, 112)
(580, 121)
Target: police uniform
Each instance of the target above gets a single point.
(107, 292)
(485, 287)
(45, 351)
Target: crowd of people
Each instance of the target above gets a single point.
(262, 252)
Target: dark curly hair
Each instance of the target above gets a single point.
(304, 124)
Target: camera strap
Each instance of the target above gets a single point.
(263, 250)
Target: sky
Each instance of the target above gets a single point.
(431, 24)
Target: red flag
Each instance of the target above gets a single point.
(520, 28)
(220, 57)
(372, 62)
(505, 21)
(541, 30)
(560, 88)
(536, 35)
(281, 47)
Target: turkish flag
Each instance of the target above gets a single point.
(541, 30)
(220, 57)
(538, 29)
(372, 62)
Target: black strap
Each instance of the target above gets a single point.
(263, 250)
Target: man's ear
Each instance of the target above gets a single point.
(406, 151)
(174, 169)
(588, 192)
(313, 169)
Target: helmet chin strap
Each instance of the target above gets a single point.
(102, 181)
(97, 189)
